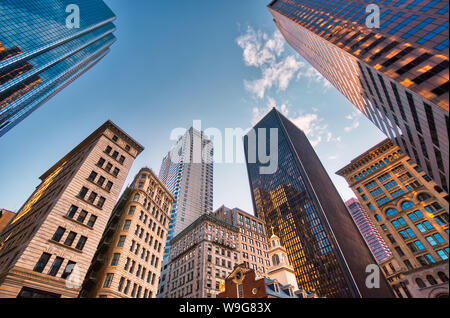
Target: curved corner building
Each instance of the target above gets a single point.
(40, 54)
(396, 74)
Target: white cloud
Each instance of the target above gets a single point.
(314, 76)
(354, 118)
(310, 123)
(265, 52)
(279, 74)
(258, 48)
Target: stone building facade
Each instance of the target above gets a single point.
(48, 247)
(201, 257)
(129, 257)
(410, 211)
(252, 241)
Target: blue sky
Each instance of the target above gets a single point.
(221, 62)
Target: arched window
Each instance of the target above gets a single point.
(443, 277)
(407, 205)
(275, 260)
(377, 217)
(136, 197)
(391, 212)
(423, 196)
(420, 283)
(431, 280)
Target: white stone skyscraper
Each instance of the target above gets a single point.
(187, 171)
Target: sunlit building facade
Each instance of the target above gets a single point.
(411, 212)
(396, 75)
(252, 242)
(46, 250)
(303, 207)
(377, 246)
(5, 217)
(40, 54)
(187, 171)
(201, 258)
(128, 260)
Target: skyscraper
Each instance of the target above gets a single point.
(46, 250)
(41, 52)
(396, 75)
(129, 257)
(187, 171)
(300, 202)
(410, 212)
(377, 246)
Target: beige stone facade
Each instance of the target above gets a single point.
(201, 257)
(129, 257)
(410, 211)
(205, 253)
(48, 247)
(252, 242)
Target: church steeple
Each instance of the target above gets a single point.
(280, 270)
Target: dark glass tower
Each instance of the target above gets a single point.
(40, 54)
(300, 203)
(396, 74)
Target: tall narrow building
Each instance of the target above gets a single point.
(377, 245)
(395, 74)
(302, 205)
(129, 257)
(46, 250)
(43, 49)
(187, 171)
(411, 212)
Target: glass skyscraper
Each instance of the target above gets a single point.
(40, 53)
(187, 171)
(301, 205)
(396, 74)
(376, 244)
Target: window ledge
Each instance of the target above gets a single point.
(63, 245)
(78, 222)
(86, 201)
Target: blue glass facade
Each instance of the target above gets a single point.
(302, 206)
(40, 54)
